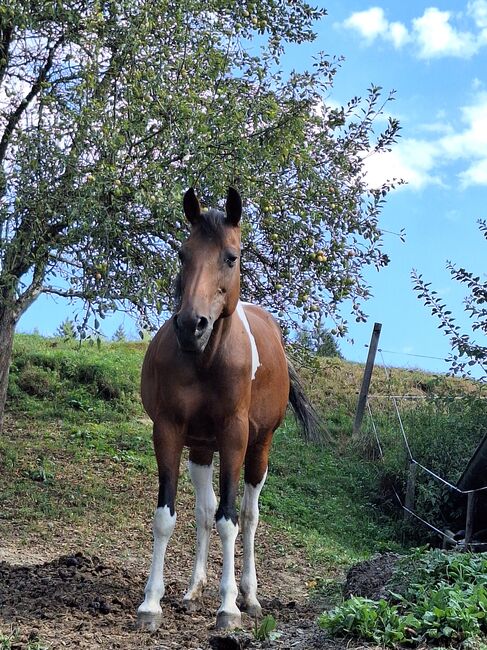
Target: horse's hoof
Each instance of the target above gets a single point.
(191, 605)
(149, 621)
(254, 610)
(228, 621)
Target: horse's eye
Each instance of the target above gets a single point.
(230, 260)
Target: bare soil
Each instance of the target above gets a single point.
(80, 600)
(77, 584)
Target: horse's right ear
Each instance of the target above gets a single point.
(233, 206)
(192, 207)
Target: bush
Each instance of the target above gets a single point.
(442, 434)
(37, 382)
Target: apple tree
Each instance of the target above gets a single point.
(110, 109)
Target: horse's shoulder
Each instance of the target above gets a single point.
(259, 317)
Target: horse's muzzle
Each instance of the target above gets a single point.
(192, 331)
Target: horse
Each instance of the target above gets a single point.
(215, 378)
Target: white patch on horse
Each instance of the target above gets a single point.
(253, 346)
(249, 517)
(163, 527)
(205, 508)
(228, 532)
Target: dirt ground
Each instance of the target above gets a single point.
(78, 600)
(78, 584)
(68, 598)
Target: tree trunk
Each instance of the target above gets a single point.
(8, 322)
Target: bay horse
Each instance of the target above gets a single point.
(215, 378)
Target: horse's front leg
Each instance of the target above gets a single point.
(256, 461)
(201, 472)
(232, 452)
(168, 448)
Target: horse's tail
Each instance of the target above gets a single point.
(313, 430)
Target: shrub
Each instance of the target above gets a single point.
(36, 382)
(442, 434)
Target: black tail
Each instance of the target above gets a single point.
(313, 430)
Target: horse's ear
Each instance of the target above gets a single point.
(233, 207)
(192, 207)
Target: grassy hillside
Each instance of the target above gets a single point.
(75, 421)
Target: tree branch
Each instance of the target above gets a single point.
(24, 104)
(5, 40)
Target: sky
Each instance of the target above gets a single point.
(435, 58)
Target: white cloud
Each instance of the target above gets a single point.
(478, 10)
(398, 34)
(422, 162)
(410, 160)
(476, 174)
(372, 23)
(437, 37)
(434, 34)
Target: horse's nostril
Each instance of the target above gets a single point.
(201, 325)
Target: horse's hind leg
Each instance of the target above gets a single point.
(255, 475)
(168, 453)
(201, 472)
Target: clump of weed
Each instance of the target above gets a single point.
(440, 597)
(36, 381)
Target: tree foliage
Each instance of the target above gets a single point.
(319, 341)
(66, 329)
(466, 351)
(110, 109)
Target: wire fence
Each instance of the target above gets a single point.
(415, 464)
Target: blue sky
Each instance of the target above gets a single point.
(435, 57)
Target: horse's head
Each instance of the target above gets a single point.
(209, 281)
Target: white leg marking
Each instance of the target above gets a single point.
(249, 517)
(201, 477)
(228, 532)
(163, 527)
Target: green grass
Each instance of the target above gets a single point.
(14, 640)
(78, 425)
(52, 377)
(323, 499)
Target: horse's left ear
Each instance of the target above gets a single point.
(192, 207)
(233, 206)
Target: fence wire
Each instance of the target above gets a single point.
(414, 461)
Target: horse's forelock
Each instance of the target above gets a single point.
(212, 222)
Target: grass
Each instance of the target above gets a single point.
(323, 500)
(77, 426)
(13, 640)
(49, 377)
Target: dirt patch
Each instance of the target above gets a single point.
(76, 582)
(369, 578)
(82, 601)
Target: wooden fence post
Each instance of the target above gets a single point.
(469, 524)
(364, 390)
(410, 491)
